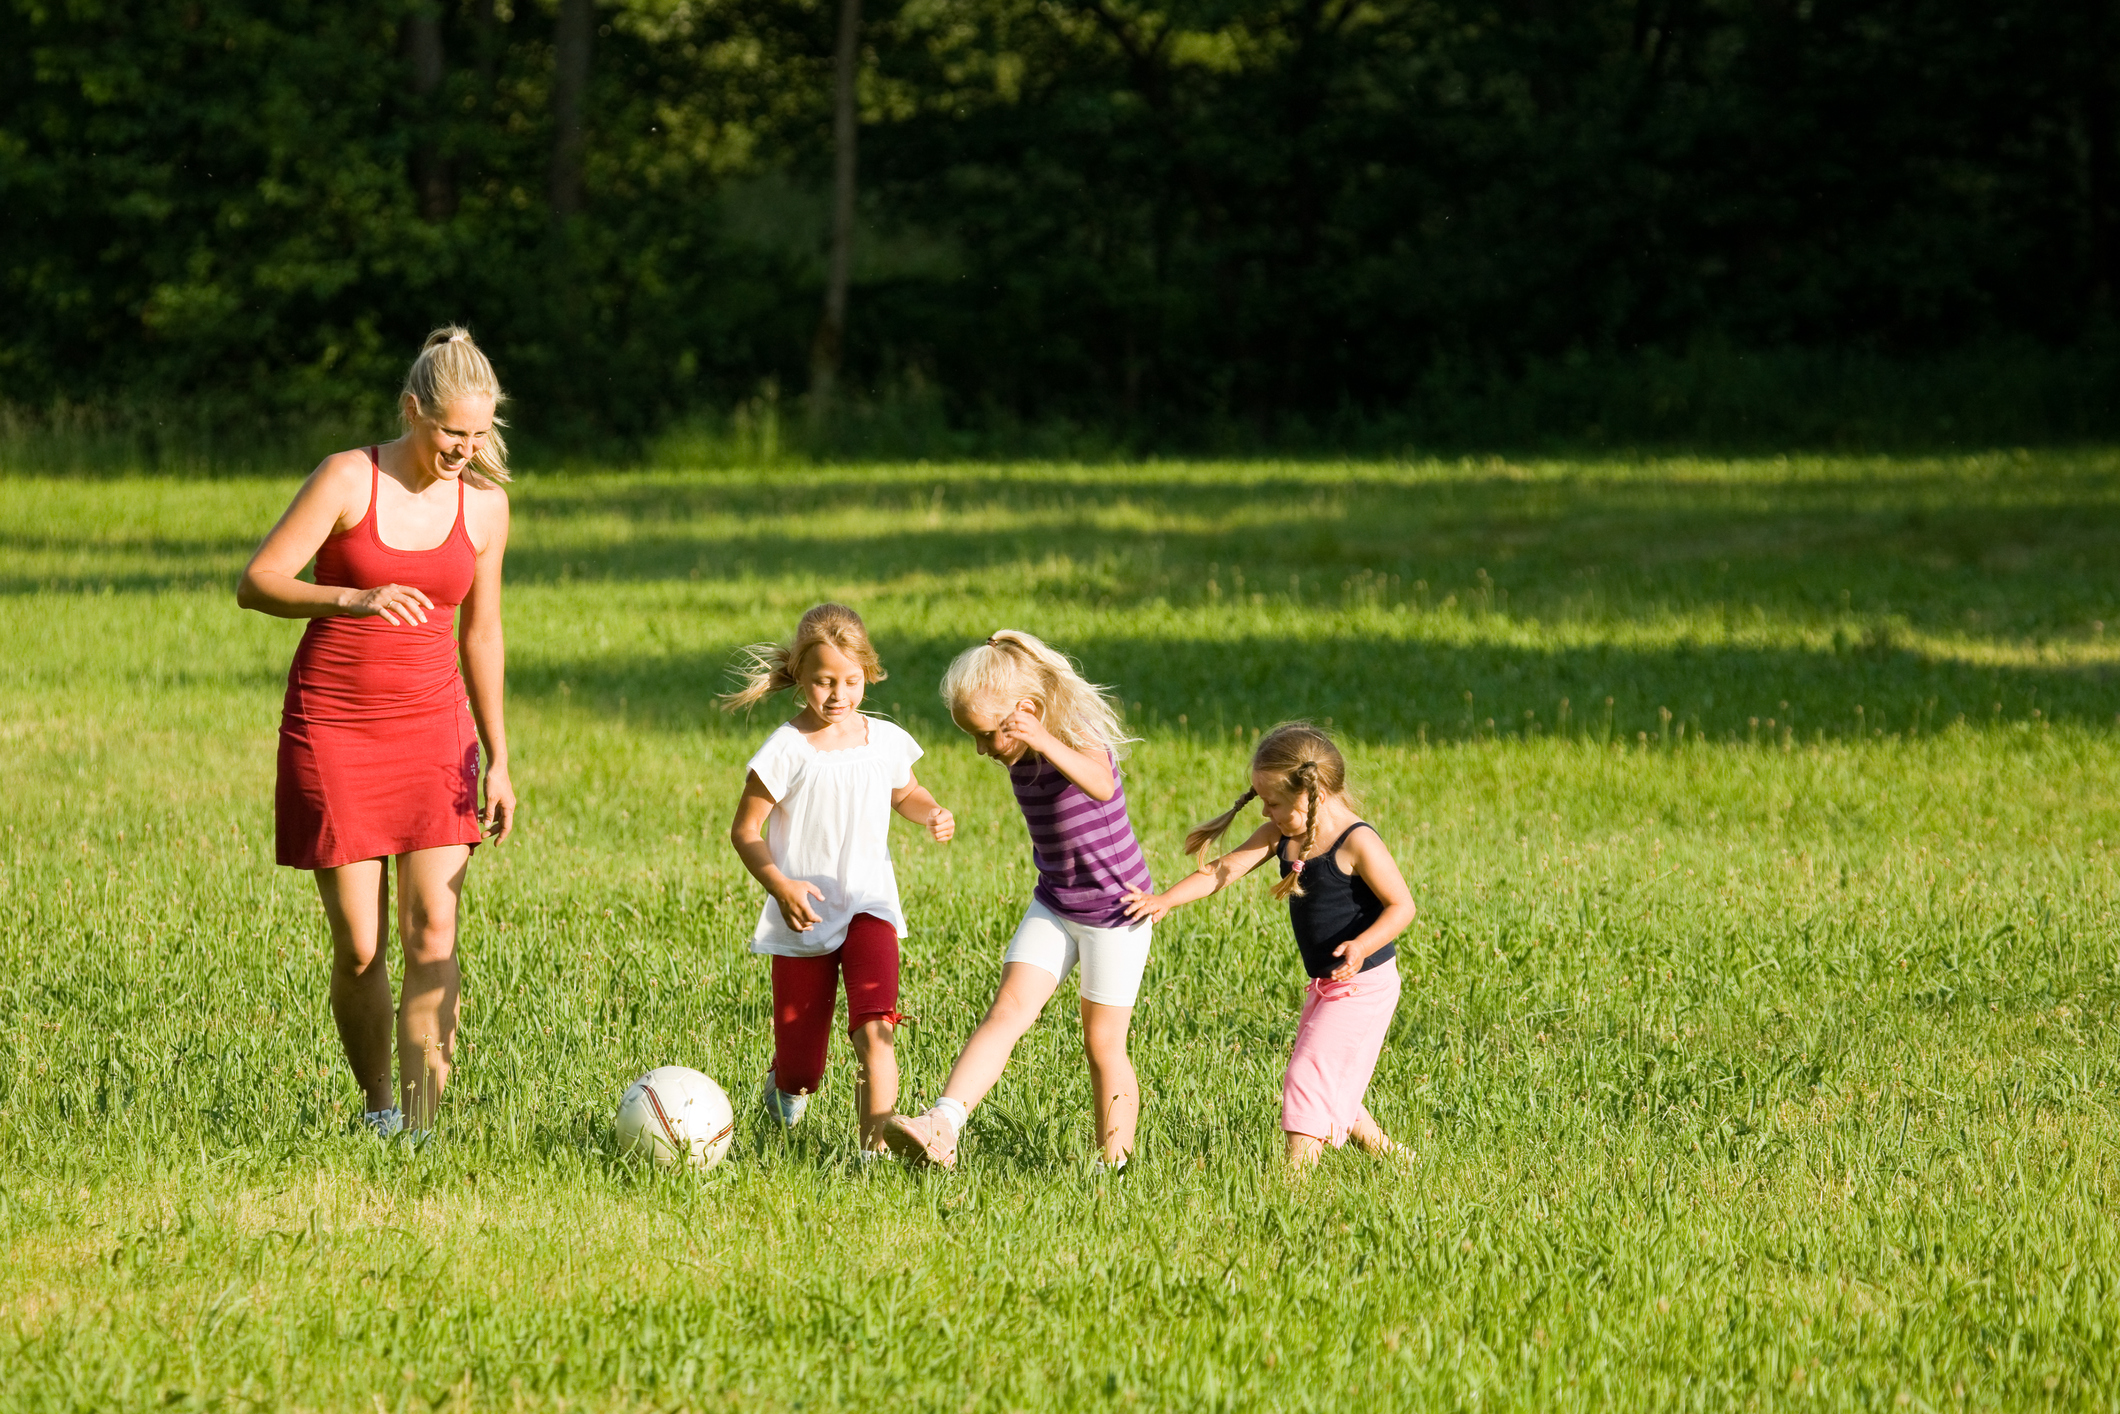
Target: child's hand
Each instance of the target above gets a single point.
(1149, 906)
(795, 907)
(1355, 955)
(1024, 725)
(942, 825)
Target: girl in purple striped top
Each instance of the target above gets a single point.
(1026, 706)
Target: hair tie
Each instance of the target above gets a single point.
(994, 641)
(1296, 867)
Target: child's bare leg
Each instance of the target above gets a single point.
(875, 1078)
(1025, 989)
(1303, 1151)
(1111, 1077)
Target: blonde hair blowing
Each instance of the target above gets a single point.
(768, 668)
(451, 366)
(1305, 759)
(1013, 666)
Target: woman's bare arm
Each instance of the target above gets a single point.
(483, 651)
(272, 582)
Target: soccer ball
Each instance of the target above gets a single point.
(673, 1114)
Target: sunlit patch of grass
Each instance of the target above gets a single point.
(1758, 1041)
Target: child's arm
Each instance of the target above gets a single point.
(913, 801)
(1374, 864)
(748, 835)
(1091, 771)
(1208, 878)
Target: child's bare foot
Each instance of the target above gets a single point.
(1373, 1139)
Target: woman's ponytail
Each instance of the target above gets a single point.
(451, 366)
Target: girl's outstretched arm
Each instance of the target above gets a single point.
(914, 802)
(1209, 878)
(748, 834)
(1376, 868)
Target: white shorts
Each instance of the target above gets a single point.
(1112, 959)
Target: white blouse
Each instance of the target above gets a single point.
(831, 826)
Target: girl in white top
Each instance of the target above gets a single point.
(813, 827)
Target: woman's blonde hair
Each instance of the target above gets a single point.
(1014, 666)
(450, 366)
(1305, 759)
(767, 668)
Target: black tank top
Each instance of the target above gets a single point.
(1335, 907)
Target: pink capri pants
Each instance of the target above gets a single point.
(1337, 1044)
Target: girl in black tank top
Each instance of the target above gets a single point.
(1335, 907)
(1346, 915)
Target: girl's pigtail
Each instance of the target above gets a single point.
(1202, 836)
(1306, 776)
(765, 668)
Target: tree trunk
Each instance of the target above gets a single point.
(431, 177)
(573, 34)
(483, 44)
(830, 343)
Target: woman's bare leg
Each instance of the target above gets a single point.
(1303, 1151)
(357, 907)
(1113, 1087)
(1025, 989)
(430, 886)
(875, 1079)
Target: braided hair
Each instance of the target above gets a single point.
(1303, 757)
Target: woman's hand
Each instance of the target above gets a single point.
(396, 603)
(793, 896)
(1151, 907)
(942, 825)
(497, 817)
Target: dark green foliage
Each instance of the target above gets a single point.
(1232, 221)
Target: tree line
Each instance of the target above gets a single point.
(1293, 213)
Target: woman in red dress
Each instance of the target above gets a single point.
(379, 739)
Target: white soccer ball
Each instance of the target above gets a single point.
(673, 1114)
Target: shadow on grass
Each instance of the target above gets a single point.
(1404, 693)
(1934, 547)
(2015, 557)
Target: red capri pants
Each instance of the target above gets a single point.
(805, 990)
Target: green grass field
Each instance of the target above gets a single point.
(1758, 1043)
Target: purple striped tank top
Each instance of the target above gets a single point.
(1084, 848)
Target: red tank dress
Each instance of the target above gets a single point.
(378, 751)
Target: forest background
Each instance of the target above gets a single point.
(1361, 225)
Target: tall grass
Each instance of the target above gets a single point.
(1758, 1042)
